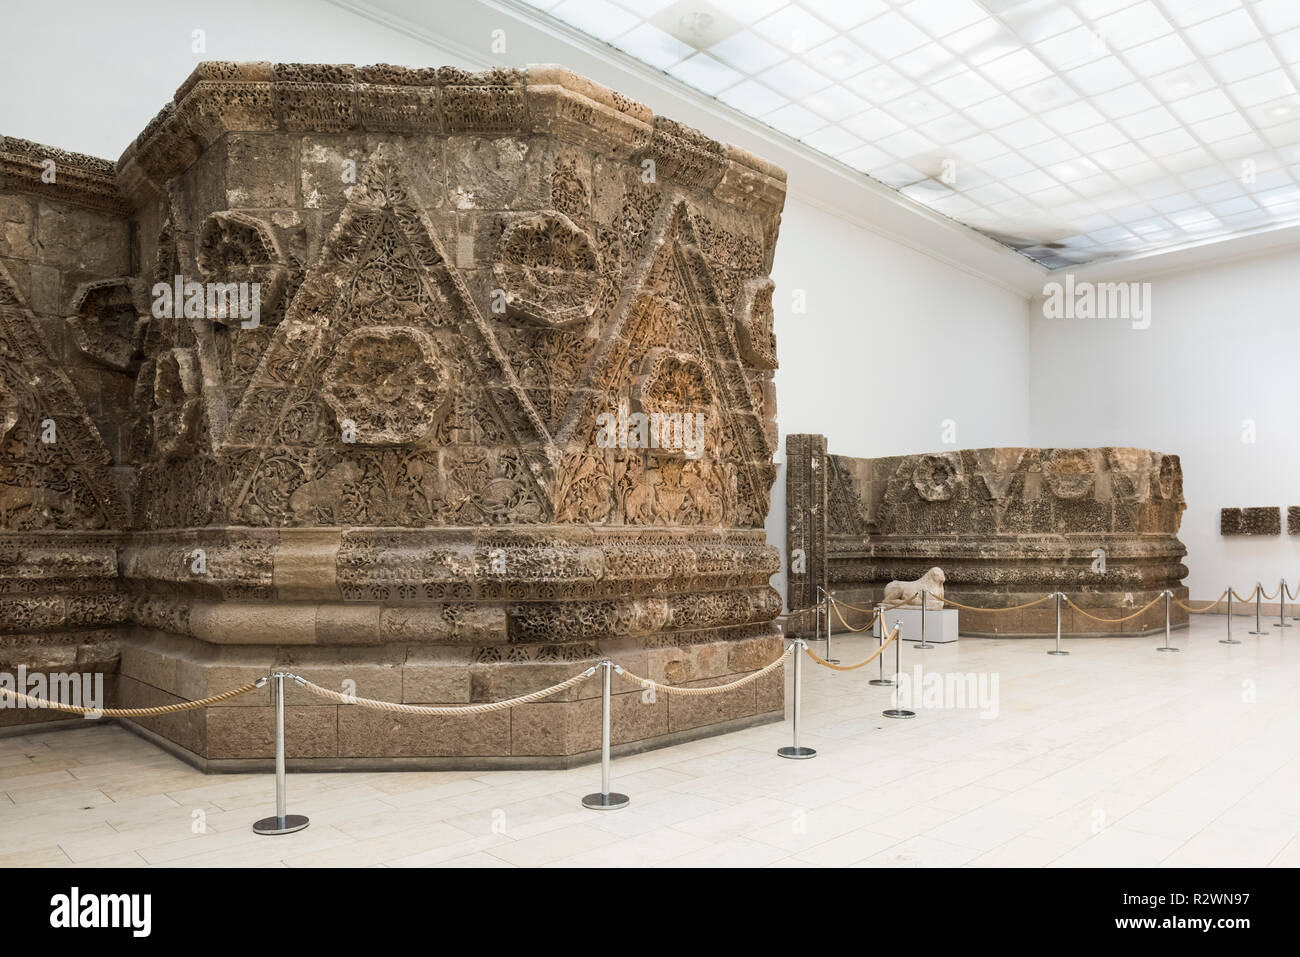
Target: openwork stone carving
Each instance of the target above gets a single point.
(107, 322)
(176, 398)
(234, 247)
(548, 269)
(388, 383)
(1006, 525)
(755, 322)
(396, 471)
(935, 478)
(1262, 520)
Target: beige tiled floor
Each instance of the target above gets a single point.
(1113, 756)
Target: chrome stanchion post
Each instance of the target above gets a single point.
(1169, 595)
(606, 800)
(898, 711)
(283, 822)
(1229, 640)
(924, 598)
(1057, 650)
(795, 751)
(882, 681)
(1281, 605)
(1259, 597)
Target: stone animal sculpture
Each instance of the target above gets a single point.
(909, 593)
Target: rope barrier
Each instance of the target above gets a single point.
(840, 601)
(1204, 608)
(448, 709)
(1114, 620)
(714, 689)
(893, 636)
(1248, 597)
(1028, 604)
(835, 608)
(130, 712)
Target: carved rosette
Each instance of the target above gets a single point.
(549, 271)
(386, 386)
(108, 320)
(235, 247)
(935, 478)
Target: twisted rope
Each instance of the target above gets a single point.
(1204, 608)
(840, 601)
(1114, 620)
(715, 689)
(893, 636)
(127, 712)
(1248, 597)
(835, 608)
(451, 709)
(1028, 604)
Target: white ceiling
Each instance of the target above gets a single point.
(1071, 130)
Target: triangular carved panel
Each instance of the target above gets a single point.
(54, 466)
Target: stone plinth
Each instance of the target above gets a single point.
(1007, 526)
(395, 443)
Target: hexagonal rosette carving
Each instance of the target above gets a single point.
(387, 386)
(548, 270)
(107, 322)
(935, 478)
(237, 248)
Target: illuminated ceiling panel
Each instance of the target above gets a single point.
(1069, 130)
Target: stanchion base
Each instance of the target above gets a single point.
(1229, 641)
(882, 682)
(606, 802)
(1259, 632)
(281, 825)
(797, 754)
(1054, 652)
(832, 661)
(1166, 648)
(898, 713)
(1280, 624)
(923, 645)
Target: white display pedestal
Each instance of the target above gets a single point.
(940, 624)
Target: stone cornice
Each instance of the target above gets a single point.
(219, 97)
(83, 180)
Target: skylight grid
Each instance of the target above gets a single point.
(1069, 130)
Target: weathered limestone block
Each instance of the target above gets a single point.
(1006, 525)
(411, 380)
(1263, 520)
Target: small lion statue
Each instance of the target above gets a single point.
(910, 592)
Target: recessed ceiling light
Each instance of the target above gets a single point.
(1281, 110)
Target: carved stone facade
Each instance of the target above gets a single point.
(1007, 525)
(326, 352)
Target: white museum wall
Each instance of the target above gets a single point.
(1219, 350)
(902, 329)
(892, 344)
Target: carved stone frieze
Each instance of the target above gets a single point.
(361, 368)
(1006, 525)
